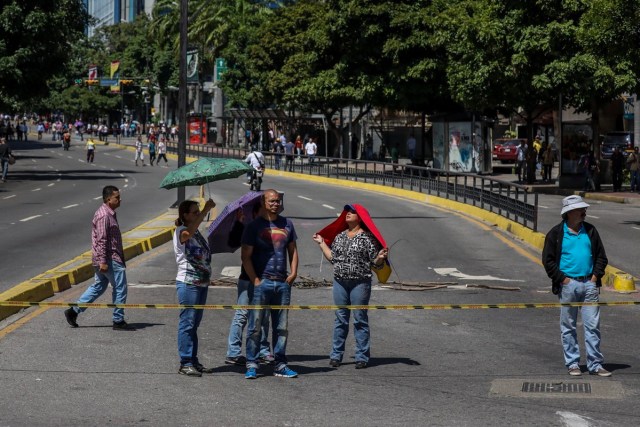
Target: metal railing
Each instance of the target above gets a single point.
(506, 199)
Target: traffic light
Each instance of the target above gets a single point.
(126, 82)
(92, 82)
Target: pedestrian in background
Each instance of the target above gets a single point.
(310, 150)
(411, 147)
(107, 257)
(139, 151)
(162, 151)
(152, 152)
(547, 162)
(268, 242)
(633, 164)
(590, 168)
(278, 149)
(617, 167)
(193, 279)
(5, 157)
(521, 161)
(353, 252)
(91, 148)
(289, 155)
(574, 259)
(299, 146)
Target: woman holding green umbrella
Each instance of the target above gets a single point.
(193, 257)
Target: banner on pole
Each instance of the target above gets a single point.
(192, 66)
(93, 72)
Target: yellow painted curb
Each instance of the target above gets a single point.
(612, 275)
(31, 290)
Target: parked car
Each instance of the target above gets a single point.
(504, 149)
(623, 140)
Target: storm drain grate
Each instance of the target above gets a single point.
(581, 388)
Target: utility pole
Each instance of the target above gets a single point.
(182, 94)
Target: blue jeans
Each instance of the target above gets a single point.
(576, 291)
(635, 181)
(5, 168)
(234, 348)
(117, 276)
(189, 321)
(351, 292)
(270, 292)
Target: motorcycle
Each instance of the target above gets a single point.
(256, 179)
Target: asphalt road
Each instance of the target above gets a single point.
(446, 367)
(50, 198)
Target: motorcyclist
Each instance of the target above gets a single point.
(256, 160)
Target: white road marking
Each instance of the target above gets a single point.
(456, 273)
(126, 185)
(543, 207)
(305, 198)
(126, 180)
(328, 206)
(97, 198)
(69, 157)
(636, 228)
(50, 167)
(81, 161)
(569, 419)
(70, 206)
(33, 160)
(51, 185)
(595, 217)
(13, 195)
(122, 175)
(30, 218)
(231, 271)
(118, 157)
(36, 189)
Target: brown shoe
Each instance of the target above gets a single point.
(575, 371)
(601, 372)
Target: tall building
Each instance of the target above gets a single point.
(110, 12)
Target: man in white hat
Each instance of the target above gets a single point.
(574, 259)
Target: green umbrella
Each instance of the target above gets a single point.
(203, 171)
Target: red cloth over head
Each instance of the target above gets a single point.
(339, 225)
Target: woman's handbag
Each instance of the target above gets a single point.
(12, 159)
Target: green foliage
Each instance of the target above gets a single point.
(35, 40)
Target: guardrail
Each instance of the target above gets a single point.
(506, 199)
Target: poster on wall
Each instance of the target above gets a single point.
(463, 152)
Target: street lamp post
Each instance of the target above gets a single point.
(182, 94)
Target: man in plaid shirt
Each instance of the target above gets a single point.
(107, 256)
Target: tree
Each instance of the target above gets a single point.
(35, 40)
(603, 63)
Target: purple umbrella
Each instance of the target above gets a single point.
(220, 228)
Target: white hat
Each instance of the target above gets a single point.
(572, 202)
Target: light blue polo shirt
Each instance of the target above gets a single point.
(576, 259)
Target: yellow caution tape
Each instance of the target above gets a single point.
(322, 307)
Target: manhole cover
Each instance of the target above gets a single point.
(581, 388)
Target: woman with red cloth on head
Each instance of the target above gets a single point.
(353, 245)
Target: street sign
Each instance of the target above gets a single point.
(221, 67)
